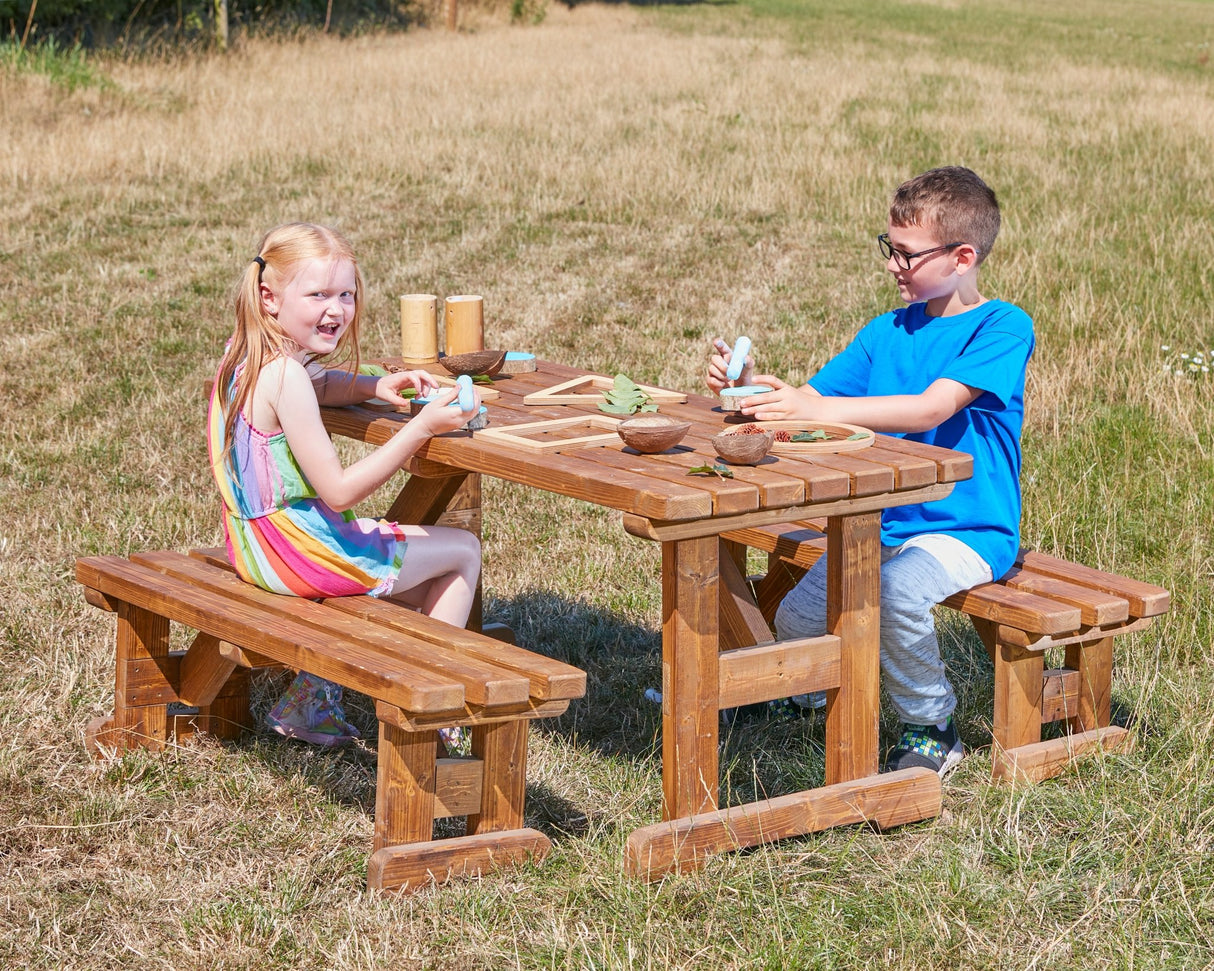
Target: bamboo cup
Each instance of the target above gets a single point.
(465, 324)
(419, 328)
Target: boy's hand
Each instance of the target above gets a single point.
(718, 364)
(783, 403)
(388, 387)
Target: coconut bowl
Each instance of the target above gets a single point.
(743, 448)
(474, 362)
(652, 433)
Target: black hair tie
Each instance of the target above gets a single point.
(259, 261)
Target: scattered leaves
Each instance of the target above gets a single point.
(626, 398)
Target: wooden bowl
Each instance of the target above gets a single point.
(652, 433)
(743, 448)
(731, 398)
(474, 362)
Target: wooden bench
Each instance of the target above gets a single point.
(1042, 602)
(422, 674)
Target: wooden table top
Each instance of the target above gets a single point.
(657, 489)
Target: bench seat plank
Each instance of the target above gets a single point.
(550, 679)
(1096, 608)
(484, 683)
(1145, 599)
(291, 642)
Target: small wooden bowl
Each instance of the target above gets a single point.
(652, 433)
(475, 423)
(518, 362)
(731, 398)
(474, 362)
(743, 448)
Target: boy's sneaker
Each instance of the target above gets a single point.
(926, 747)
(311, 711)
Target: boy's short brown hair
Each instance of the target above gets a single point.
(953, 204)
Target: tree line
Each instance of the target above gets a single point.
(149, 23)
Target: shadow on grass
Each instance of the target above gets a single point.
(758, 759)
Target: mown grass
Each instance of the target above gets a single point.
(620, 184)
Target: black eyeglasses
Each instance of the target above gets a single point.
(904, 259)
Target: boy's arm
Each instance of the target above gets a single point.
(942, 399)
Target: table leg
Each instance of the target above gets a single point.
(690, 676)
(853, 593)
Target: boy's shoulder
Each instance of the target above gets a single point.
(994, 313)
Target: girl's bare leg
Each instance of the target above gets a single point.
(439, 572)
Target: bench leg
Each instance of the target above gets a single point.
(404, 793)
(405, 856)
(1094, 662)
(1019, 752)
(502, 748)
(141, 690)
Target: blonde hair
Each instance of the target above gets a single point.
(258, 338)
(953, 204)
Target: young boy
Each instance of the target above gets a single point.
(948, 370)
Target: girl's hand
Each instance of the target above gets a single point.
(783, 402)
(438, 416)
(718, 364)
(388, 388)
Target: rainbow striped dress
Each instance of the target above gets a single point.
(279, 534)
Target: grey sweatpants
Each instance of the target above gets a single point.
(913, 580)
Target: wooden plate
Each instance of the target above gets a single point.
(838, 436)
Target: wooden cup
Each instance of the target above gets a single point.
(419, 328)
(465, 324)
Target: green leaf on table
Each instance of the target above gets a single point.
(856, 436)
(817, 435)
(721, 470)
(626, 398)
(373, 370)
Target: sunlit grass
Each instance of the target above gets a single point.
(620, 184)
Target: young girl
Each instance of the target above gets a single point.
(286, 497)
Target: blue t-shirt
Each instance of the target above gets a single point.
(904, 351)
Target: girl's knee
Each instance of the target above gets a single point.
(470, 548)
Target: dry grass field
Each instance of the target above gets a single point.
(621, 183)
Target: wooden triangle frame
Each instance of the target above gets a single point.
(589, 389)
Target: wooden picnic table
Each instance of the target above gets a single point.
(717, 650)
